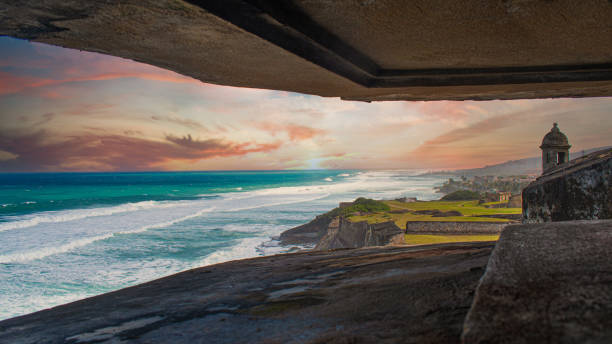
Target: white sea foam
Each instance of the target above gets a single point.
(344, 175)
(78, 214)
(143, 211)
(47, 251)
(328, 179)
(78, 240)
(56, 225)
(51, 250)
(37, 302)
(362, 181)
(298, 199)
(246, 248)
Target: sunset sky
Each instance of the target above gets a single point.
(68, 110)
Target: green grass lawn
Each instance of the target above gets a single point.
(494, 203)
(470, 210)
(425, 239)
(464, 207)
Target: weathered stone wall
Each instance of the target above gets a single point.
(578, 190)
(454, 227)
(546, 283)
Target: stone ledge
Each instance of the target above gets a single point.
(454, 227)
(546, 283)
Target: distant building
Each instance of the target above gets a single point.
(504, 196)
(580, 189)
(555, 149)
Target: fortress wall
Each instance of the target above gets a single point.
(578, 190)
(424, 227)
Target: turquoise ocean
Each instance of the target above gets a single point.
(67, 236)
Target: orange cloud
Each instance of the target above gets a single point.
(295, 132)
(10, 83)
(447, 110)
(481, 142)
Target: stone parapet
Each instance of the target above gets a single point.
(578, 190)
(546, 283)
(425, 227)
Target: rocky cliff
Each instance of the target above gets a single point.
(326, 233)
(307, 234)
(342, 233)
(336, 232)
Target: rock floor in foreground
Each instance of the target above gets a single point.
(374, 295)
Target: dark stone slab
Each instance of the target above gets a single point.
(370, 295)
(546, 283)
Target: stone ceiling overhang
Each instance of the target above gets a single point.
(362, 50)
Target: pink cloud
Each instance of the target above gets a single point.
(61, 66)
(447, 110)
(40, 151)
(295, 132)
(13, 84)
(494, 139)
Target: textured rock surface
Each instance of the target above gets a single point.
(458, 49)
(371, 295)
(342, 233)
(578, 190)
(546, 283)
(454, 227)
(307, 234)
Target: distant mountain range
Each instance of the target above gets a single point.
(517, 167)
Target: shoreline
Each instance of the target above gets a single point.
(154, 250)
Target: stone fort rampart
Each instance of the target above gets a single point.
(425, 227)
